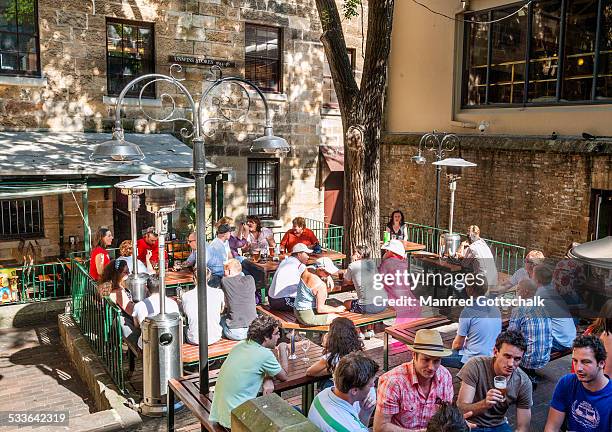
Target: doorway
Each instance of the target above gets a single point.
(601, 214)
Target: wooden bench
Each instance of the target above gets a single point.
(288, 320)
(186, 389)
(559, 354)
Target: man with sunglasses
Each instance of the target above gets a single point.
(191, 259)
(247, 366)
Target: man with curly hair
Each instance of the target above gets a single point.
(248, 365)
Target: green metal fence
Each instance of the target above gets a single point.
(99, 320)
(39, 282)
(508, 257)
(330, 235)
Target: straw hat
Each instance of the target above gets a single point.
(395, 246)
(429, 342)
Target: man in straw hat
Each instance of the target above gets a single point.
(410, 394)
(490, 385)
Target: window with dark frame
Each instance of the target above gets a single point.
(262, 188)
(553, 52)
(330, 100)
(129, 54)
(21, 218)
(19, 39)
(262, 56)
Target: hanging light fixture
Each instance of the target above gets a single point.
(270, 143)
(117, 148)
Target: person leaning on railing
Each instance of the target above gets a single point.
(99, 255)
(112, 285)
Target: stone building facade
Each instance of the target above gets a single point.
(71, 89)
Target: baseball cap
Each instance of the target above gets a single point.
(395, 246)
(149, 230)
(326, 264)
(300, 247)
(224, 228)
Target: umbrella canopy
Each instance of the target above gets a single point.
(597, 253)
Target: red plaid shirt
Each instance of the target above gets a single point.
(399, 396)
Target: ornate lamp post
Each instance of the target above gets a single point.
(440, 144)
(119, 149)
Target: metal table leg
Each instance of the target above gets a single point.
(386, 353)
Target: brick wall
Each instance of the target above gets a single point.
(530, 197)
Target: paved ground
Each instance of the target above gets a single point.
(35, 373)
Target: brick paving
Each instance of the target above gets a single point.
(36, 375)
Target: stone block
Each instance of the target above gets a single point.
(71, 19)
(269, 413)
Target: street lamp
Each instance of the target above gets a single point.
(454, 169)
(119, 149)
(440, 144)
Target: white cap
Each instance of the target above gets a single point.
(395, 246)
(300, 247)
(326, 264)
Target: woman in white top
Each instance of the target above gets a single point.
(397, 226)
(258, 237)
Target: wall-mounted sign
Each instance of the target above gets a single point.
(201, 61)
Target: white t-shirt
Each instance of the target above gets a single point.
(361, 273)
(150, 307)
(262, 241)
(485, 263)
(214, 305)
(287, 278)
(141, 267)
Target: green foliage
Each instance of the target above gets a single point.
(351, 8)
(24, 9)
(189, 212)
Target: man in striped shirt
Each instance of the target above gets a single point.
(533, 323)
(348, 405)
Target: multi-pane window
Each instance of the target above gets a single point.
(19, 53)
(262, 56)
(129, 54)
(262, 188)
(21, 218)
(330, 100)
(552, 51)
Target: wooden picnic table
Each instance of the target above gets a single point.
(183, 276)
(405, 332)
(187, 389)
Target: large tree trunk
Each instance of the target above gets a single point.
(362, 111)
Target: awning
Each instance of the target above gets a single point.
(27, 191)
(67, 153)
(333, 157)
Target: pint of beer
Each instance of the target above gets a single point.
(500, 383)
(256, 254)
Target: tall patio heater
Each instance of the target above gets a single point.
(454, 168)
(161, 334)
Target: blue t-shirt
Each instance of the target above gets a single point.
(585, 411)
(480, 325)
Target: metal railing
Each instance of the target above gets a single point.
(99, 320)
(38, 282)
(508, 257)
(331, 236)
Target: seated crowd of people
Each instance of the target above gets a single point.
(498, 369)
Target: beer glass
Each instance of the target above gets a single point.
(255, 255)
(500, 383)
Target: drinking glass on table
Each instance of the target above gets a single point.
(500, 383)
(305, 347)
(292, 354)
(255, 255)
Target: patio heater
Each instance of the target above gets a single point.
(451, 241)
(161, 334)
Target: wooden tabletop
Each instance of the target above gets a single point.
(270, 266)
(405, 332)
(179, 277)
(410, 246)
(296, 369)
(438, 263)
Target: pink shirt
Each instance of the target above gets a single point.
(400, 397)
